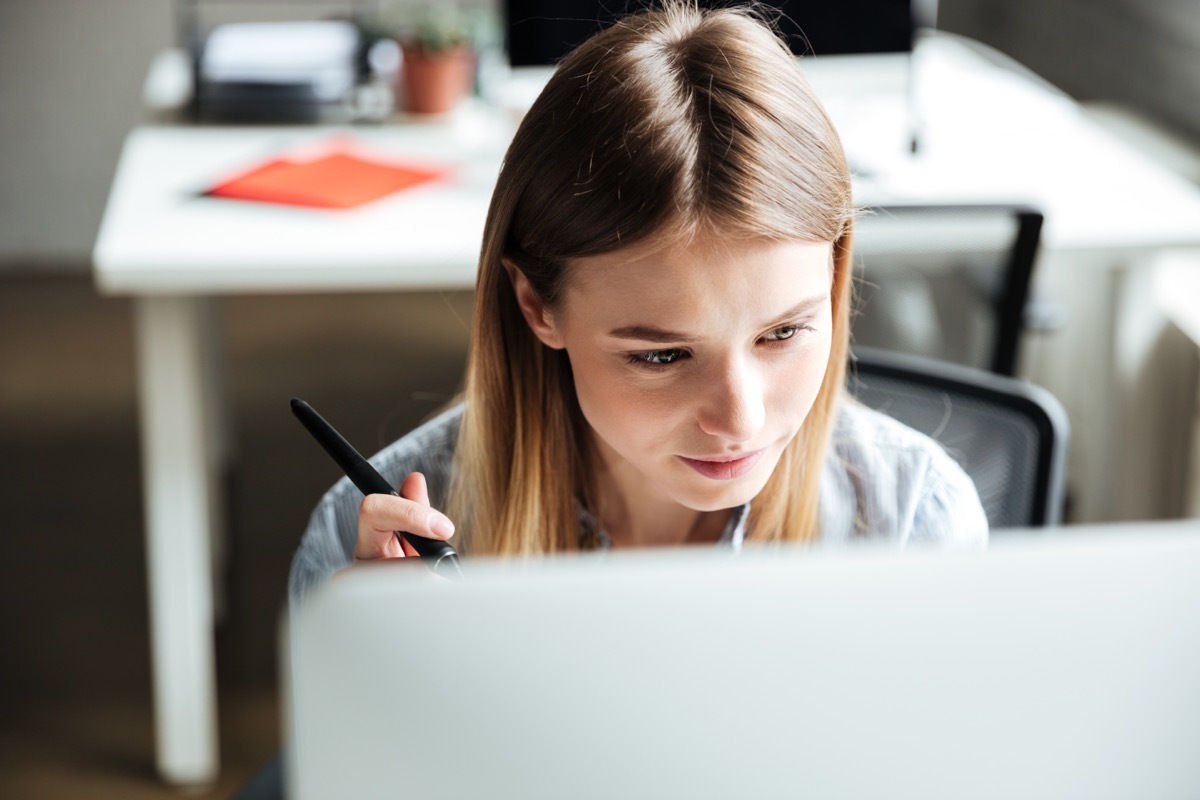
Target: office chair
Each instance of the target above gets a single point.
(1008, 435)
(956, 280)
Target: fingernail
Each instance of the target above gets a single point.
(441, 525)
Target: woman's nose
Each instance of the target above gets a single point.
(733, 404)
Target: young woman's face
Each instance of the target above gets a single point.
(696, 366)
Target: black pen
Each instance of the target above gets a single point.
(437, 554)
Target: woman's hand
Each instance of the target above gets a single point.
(381, 515)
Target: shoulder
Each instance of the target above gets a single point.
(883, 479)
(328, 541)
(428, 448)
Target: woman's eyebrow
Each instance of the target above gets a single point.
(652, 333)
(804, 307)
(649, 333)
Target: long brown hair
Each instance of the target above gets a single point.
(671, 123)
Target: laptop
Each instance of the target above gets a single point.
(1062, 666)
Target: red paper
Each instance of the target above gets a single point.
(337, 180)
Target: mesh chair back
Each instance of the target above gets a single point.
(1009, 436)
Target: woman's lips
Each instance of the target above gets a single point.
(719, 469)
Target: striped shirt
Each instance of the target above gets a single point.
(881, 481)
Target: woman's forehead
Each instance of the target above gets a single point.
(702, 274)
(653, 260)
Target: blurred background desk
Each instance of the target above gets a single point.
(987, 132)
(176, 252)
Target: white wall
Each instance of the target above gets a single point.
(71, 74)
(1143, 53)
(70, 87)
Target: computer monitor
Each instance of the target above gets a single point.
(1047, 667)
(541, 32)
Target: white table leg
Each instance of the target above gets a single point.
(180, 499)
(219, 447)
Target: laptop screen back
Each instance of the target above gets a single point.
(1062, 667)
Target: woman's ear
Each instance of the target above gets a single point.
(537, 316)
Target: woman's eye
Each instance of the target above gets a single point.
(779, 334)
(657, 357)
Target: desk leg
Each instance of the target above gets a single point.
(180, 498)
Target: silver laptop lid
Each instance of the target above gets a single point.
(1058, 667)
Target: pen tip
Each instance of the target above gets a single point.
(297, 403)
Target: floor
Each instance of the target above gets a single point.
(75, 709)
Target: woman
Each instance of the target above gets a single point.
(661, 329)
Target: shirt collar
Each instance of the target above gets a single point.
(593, 536)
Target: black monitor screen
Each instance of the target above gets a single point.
(541, 32)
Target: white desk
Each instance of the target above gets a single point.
(992, 131)
(174, 251)
(988, 134)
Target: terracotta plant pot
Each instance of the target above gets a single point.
(435, 82)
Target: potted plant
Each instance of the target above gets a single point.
(439, 60)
